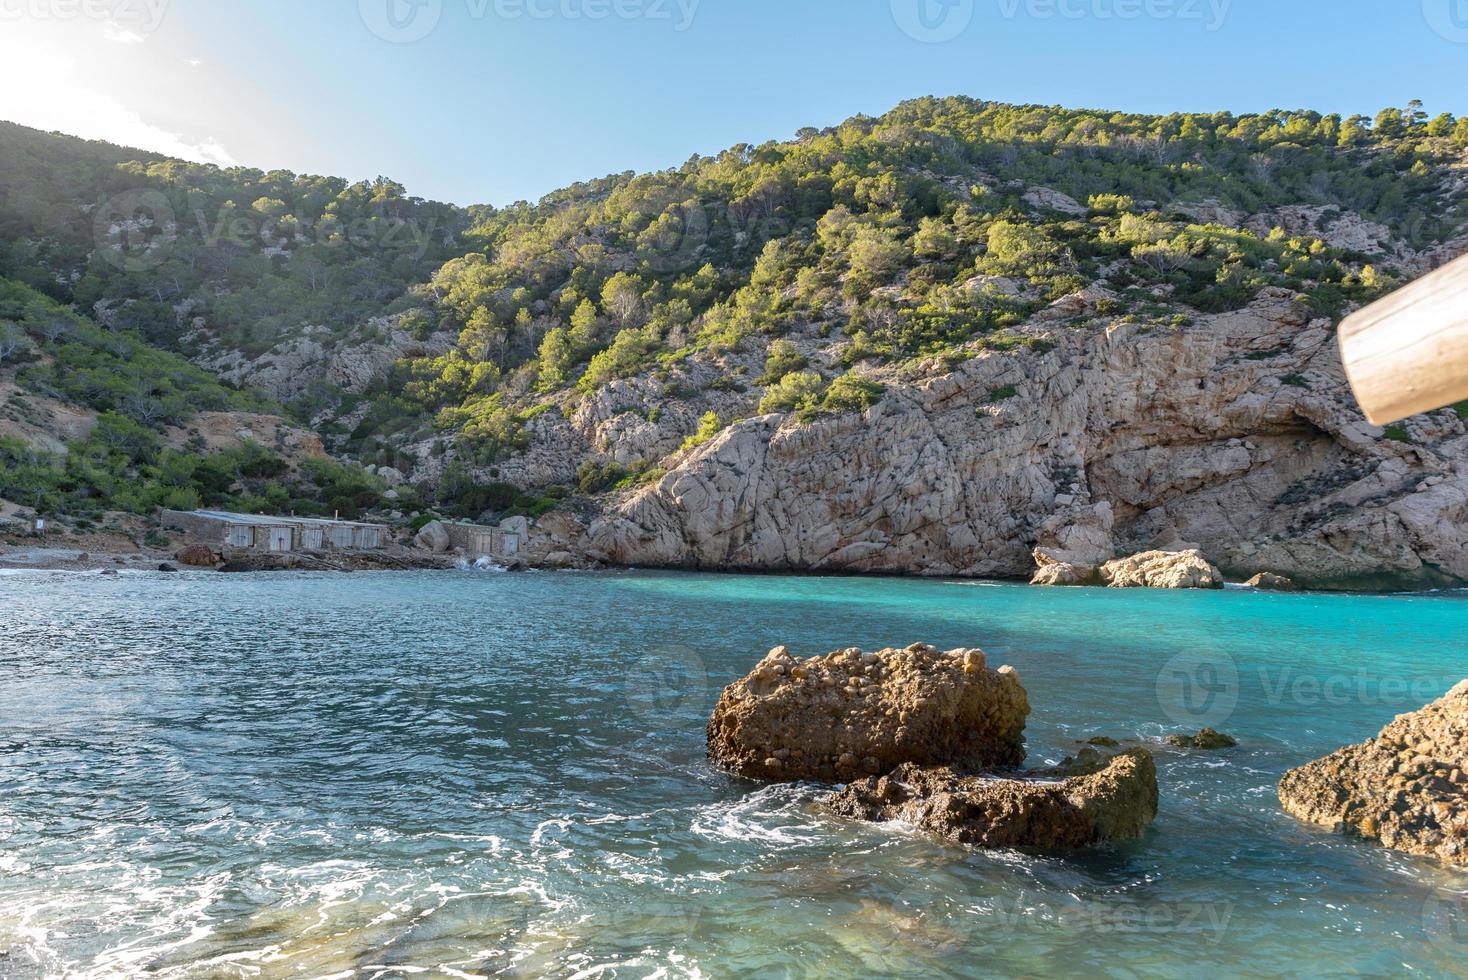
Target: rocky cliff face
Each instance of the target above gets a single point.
(1236, 435)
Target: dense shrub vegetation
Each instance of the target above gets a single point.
(914, 235)
(256, 256)
(124, 466)
(921, 237)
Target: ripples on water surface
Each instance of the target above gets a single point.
(471, 774)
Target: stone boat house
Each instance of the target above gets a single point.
(259, 532)
(478, 540)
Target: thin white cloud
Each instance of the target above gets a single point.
(40, 87)
(121, 35)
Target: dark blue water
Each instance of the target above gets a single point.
(503, 775)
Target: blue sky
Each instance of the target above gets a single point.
(490, 101)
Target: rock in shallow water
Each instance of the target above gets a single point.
(1207, 739)
(1107, 799)
(1406, 788)
(850, 714)
(1065, 573)
(1162, 570)
(1270, 582)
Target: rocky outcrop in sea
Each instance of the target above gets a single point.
(1406, 788)
(1114, 799)
(850, 714)
(932, 738)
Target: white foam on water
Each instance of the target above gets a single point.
(772, 815)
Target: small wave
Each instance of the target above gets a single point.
(772, 815)
(480, 564)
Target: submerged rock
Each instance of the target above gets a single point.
(1270, 582)
(1406, 788)
(1206, 739)
(1099, 799)
(849, 714)
(1162, 570)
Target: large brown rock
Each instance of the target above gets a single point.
(1106, 799)
(1407, 787)
(197, 556)
(1162, 570)
(850, 714)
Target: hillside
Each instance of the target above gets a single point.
(924, 342)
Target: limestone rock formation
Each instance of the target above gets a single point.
(1237, 433)
(1108, 799)
(1407, 787)
(849, 714)
(1064, 573)
(1162, 570)
(1270, 582)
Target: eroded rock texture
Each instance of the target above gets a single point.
(1162, 570)
(1406, 787)
(850, 714)
(1236, 434)
(1115, 800)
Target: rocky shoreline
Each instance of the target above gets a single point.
(1406, 789)
(931, 738)
(935, 740)
(1235, 435)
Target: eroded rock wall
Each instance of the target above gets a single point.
(1236, 435)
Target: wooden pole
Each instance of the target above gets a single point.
(1408, 352)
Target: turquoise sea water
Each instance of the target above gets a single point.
(442, 774)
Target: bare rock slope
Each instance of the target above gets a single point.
(1407, 787)
(1236, 434)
